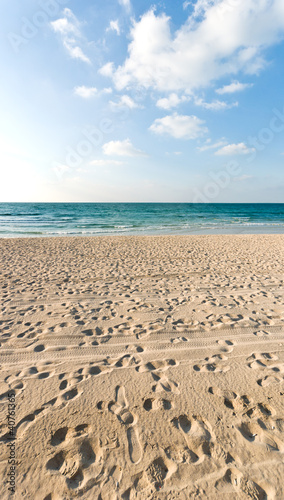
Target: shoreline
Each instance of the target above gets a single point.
(154, 234)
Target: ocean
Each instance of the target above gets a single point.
(95, 219)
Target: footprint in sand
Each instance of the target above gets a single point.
(226, 345)
(198, 435)
(178, 340)
(152, 404)
(267, 362)
(233, 481)
(214, 364)
(94, 369)
(15, 386)
(77, 457)
(120, 408)
(261, 333)
(62, 400)
(151, 479)
(258, 432)
(261, 428)
(243, 405)
(157, 369)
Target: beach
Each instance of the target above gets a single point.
(142, 367)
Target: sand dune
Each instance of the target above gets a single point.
(143, 367)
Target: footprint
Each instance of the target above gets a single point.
(120, 408)
(257, 433)
(267, 362)
(165, 384)
(243, 405)
(157, 472)
(269, 379)
(157, 404)
(157, 365)
(226, 345)
(28, 420)
(197, 433)
(134, 446)
(67, 433)
(74, 458)
(152, 477)
(262, 360)
(234, 481)
(214, 364)
(157, 369)
(179, 339)
(261, 333)
(39, 348)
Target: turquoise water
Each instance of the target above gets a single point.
(91, 219)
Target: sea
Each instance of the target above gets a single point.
(97, 219)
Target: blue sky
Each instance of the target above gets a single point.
(121, 101)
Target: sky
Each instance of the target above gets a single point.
(124, 101)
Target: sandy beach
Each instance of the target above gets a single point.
(142, 368)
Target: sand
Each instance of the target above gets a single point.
(143, 367)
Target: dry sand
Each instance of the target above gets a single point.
(143, 367)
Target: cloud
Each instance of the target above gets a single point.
(68, 27)
(126, 4)
(104, 163)
(125, 101)
(215, 105)
(235, 149)
(121, 148)
(107, 69)
(114, 26)
(88, 92)
(233, 87)
(179, 126)
(218, 39)
(208, 145)
(85, 92)
(107, 90)
(171, 102)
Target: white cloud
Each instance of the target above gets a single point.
(125, 101)
(68, 27)
(85, 92)
(126, 4)
(121, 148)
(107, 69)
(233, 87)
(171, 102)
(114, 26)
(235, 149)
(218, 39)
(88, 92)
(179, 126)
(208, 145)
(202, 6)
(215, 105)
(107, 90)
(104, 163)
